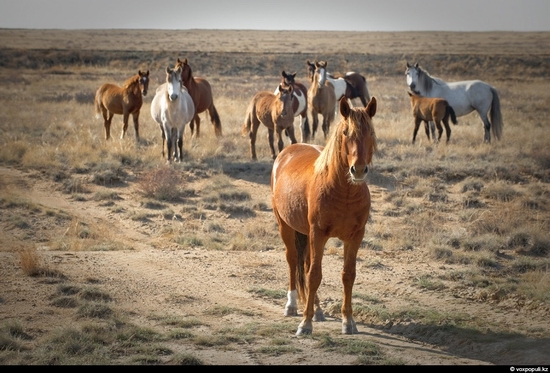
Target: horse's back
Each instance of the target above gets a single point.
(205, 99)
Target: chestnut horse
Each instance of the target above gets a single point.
(275, 112)
(321, 98)
(201, 93)
(318, 193)
(299, 102)
(352, 85)
(110, 99)
(437, 110)
(172, 108)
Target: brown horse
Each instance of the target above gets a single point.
(201, 93)
(318, 193)
(428, 109)
(275, 112)
(110, 99)
(352, 85)
(321, 98)
(299, 102)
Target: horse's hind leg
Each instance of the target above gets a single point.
(197, 121)
(447, 128)
(107, 118)
(439, 130)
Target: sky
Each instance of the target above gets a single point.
(330, 15)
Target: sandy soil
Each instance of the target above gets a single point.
(155, 276)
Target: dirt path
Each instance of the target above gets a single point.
(155, 277)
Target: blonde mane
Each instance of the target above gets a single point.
(329, 159)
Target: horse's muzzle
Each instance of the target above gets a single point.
(358, 176)
(173, 97)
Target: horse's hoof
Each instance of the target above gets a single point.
(291, 311)
(303, 331)
(319, 316)
(349, 328)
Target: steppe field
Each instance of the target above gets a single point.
(109, 255)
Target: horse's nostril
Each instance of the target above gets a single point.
(366, 169)
(352, 169)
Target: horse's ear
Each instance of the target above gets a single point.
(344, 107)
(283, 74)
(416, 65)
(410, 94)
(168, 69)
(147, 73)
(294, 74)
(408, 65)
(371, 107)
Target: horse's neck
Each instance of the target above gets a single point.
(134, 89)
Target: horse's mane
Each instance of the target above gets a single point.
(131, 80)
(329, 159)
(425, 79)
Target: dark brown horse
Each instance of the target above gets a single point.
(201, 93)
(351, 85)
(318, 193)
(275, 112)
(111, 99)
(299, 102)
(321, 99)
(437, 110)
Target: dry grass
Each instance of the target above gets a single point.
(481, 208)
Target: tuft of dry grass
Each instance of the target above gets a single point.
(163, 183)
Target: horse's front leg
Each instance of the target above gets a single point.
(291, 135)
(348, 279)
(270, 139)
(314, 124)
(325, 125)
(304, 127)
(415, 131)
(136, 124)
(125, 117)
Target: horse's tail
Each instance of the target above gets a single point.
(451, 112)
(97, 104)
(247, 126)
(215, 118)
(301, 244)
(496, 115)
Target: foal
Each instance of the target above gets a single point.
(431, 109)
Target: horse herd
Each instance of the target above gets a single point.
(433, 102)
(317, 192)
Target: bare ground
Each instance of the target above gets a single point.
(155, 276)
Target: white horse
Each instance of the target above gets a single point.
(172, 108)
(464, 97)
